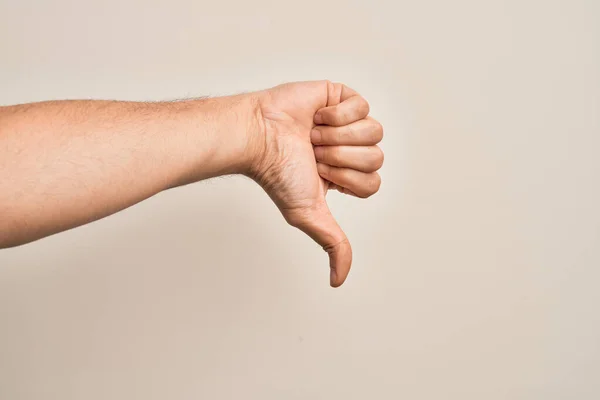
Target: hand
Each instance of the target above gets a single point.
(316, 136)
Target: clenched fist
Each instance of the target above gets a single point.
(317, 136)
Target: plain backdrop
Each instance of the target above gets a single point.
(477, 267)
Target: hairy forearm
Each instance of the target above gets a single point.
(66, 163)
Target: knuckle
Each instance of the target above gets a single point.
(378, 158)
(374, 184)
(375, 159)
(343, 116)
(377, 132)
(370, 186)
(329, 86)
(338, 89)
(363, 194)
(364, 107)
(347, 133)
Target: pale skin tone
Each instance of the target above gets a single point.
(67, 163)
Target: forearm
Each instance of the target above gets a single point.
(66, 163)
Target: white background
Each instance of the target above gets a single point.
(477, 267)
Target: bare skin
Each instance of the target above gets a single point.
(67, 163)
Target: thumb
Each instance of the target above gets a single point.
(318, 223)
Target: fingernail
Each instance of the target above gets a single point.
(322, 169)
(333, 278)
(318, 119)
(315, 136)
(318, 152)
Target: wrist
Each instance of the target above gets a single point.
(251, 134)
(223, 136)
(237, 127)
